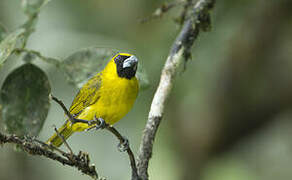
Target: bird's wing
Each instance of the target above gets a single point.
(87, 95)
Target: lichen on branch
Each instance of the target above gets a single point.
(180, 50)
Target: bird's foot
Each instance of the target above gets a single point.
(124, 145)
(99, 123)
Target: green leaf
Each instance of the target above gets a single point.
(24, 100)
(8, 44)
(85, 63)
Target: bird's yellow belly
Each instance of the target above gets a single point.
(112, 106)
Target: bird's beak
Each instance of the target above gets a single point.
(132, 61)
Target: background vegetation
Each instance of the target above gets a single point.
(229, 116)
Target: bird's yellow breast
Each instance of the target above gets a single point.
(116, 98)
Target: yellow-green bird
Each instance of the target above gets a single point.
(109, 95)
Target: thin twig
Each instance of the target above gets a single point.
(31, 146)
(64, 141)
(68, 114)
(181, 18)
(63, 107)
(49, 60)
(129, 151)
(164, 8)
(199, 20)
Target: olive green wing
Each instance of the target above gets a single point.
(87, 95)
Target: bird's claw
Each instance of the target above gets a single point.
(123, 146)
(100, 125)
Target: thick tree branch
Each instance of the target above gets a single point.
(35, 147)
(199, 20)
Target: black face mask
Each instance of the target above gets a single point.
(126, 66)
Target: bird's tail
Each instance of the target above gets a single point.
(65, 131)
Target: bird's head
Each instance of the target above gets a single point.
(126, 65)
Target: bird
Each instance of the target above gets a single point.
(108, 96)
